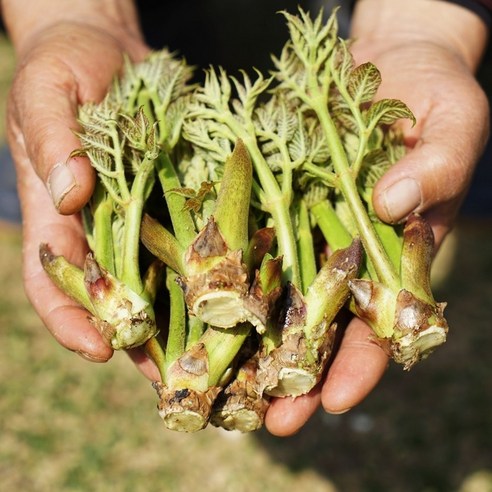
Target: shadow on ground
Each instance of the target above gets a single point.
(431, 428)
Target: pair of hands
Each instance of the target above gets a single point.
(66, 64)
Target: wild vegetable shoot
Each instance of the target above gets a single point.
(217, 204)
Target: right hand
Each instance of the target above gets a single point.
(65, 65)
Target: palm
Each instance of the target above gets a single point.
(451, 129)
(54, 78)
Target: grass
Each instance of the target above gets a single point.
(6, 70)
(69, 425)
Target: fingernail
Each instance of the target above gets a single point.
(339, 412)
(89, 357)
(60, 181)
(402, 198)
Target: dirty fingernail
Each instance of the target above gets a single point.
(89, 357)
(402, 198)
(339, 412)
(60, 181)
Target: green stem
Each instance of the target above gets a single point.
(103, 230)
(182, 221)
(391, 241)
(331, 226)
(66, 276)
(195, 331)
(372, 244)
(279, 208)
(307, 257)
(336, 234)
(222, 347)
(175, 345)
(130, 272)
(328, 177)
(154, 350)
(119, 166)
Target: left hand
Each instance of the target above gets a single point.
(430, 68)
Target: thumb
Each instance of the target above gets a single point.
(42, 113)
(437, 170)
(53, 78)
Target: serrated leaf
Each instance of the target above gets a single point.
(299, 146)
(387, 111)
(363, 82)
(375, 164)
(343, 61)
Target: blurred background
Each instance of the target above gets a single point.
(69, 425)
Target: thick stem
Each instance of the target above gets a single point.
(231, 210)
(130, 273)
(279, 208)
(182, 221)
(331, 227)
(103, 230)
(195, 330)
(307, 257)
(177, 319)
(154, 350)
(67, 277)
(222, 347)
(162, 244)
(372, 244)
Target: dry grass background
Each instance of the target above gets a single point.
(69, 425)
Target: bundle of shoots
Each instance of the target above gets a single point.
(216, 283)
(280, 142)
(225, 190)
(316, 72)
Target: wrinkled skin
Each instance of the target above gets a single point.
(52, 79)
(438, 85)
(73, 62)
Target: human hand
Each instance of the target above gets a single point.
(430, 67)
(61, 66)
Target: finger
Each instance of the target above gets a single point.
(43, 109)
(356, 369)
(48, 88)
(144, 364)
(63, 317)
(286, 416)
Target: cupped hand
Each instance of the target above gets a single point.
(431, 68)
(64, 66)
(447, 141)
(436, 81)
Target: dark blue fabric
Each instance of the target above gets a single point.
(9, 201)
(483, 8)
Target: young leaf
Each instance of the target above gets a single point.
(387, 111)
(363, 82)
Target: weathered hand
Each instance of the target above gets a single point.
(430, 68)
(65, 65)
